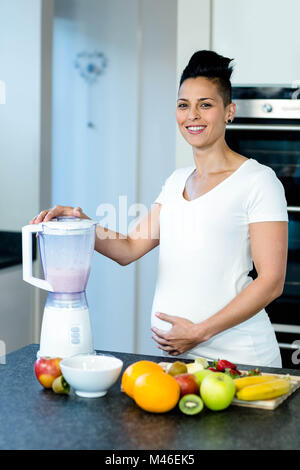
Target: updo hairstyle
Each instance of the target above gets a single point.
(215, 68)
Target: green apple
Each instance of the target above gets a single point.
(217, 391)
(200, 374)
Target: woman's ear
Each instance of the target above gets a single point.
(230, 112)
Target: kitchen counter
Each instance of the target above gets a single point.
(11, 248)
(34, 418)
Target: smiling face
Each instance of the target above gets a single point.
(200, 113)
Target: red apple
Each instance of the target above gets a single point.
(188, 384)
(46, 370)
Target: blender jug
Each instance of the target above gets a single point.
(66, 247)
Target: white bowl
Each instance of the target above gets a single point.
(91, 375)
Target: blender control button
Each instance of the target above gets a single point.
(75, 335)
(75, 341)
(75, 328)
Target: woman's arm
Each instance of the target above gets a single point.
(269, 244)
(124, 249)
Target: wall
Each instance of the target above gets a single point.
(262, 37)
(193, 34)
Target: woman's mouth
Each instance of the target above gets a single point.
(195, 129)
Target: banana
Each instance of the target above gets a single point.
(265, 390)
(253, 380)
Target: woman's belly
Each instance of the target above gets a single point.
(196, 301)
(250, 342)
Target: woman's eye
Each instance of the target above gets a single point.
(203, 105)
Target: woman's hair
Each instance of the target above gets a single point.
(212, 66)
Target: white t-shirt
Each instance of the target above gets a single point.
(205, 257)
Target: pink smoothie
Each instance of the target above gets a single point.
(68, 281)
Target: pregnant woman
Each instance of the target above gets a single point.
(212, 221)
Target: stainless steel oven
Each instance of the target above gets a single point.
(267, 128)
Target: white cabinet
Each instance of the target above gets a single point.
(262, 37)
(16, 309)
(25, 130)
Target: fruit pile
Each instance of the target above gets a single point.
(48, 373)
(158, 388)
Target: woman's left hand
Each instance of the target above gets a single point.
(183, 336)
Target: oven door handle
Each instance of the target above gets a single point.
(293, 208)
(288, 346)
(262, 127)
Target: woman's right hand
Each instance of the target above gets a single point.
(58, 211)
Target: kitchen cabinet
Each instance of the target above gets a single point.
(17, 320)
(16, 310)
(272, 54)
(35, 418)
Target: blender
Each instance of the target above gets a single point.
(66, 247)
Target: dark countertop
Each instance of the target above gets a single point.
(34, 418)
(11, 248)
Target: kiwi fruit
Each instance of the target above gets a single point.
(177, 368)
(60, 386)
(191, 404)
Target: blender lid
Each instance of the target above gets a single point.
(68, 224)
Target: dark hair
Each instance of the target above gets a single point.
(214, 67)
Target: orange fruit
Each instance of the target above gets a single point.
(134, 371)
(156, 392)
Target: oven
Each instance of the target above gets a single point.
(266, 127)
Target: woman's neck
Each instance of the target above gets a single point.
(216, 158)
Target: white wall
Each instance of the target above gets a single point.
(193, 34)
(262, 37)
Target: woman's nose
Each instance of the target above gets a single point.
(193, 113)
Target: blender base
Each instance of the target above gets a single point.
(66, 332)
